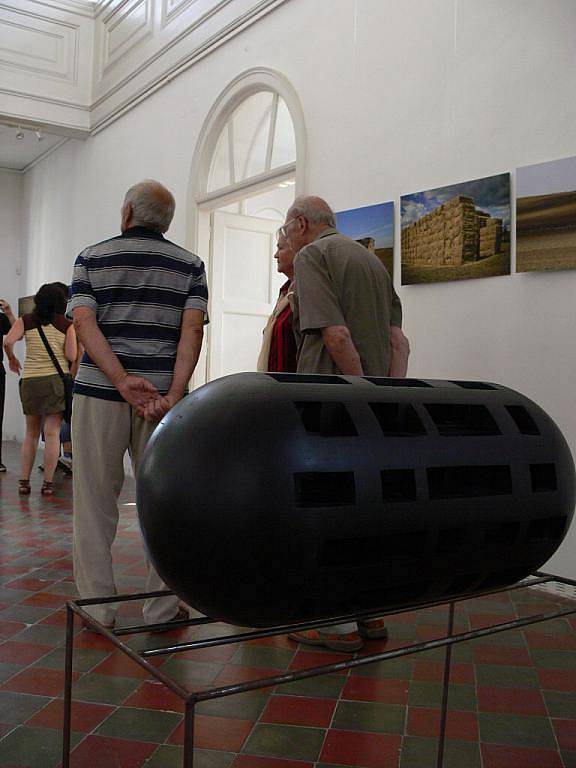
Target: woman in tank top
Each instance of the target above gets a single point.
(41, 387)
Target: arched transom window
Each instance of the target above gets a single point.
(257, 138)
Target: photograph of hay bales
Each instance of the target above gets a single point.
(457, 232)
(546, 216)
(374, 226)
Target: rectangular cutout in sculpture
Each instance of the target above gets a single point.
(546, 216)
(457, 232)
(373, 224)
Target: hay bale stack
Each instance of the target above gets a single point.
(448, 235)
(490, 238)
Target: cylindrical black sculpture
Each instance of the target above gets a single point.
(272, 498)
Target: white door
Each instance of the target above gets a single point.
(244, 287)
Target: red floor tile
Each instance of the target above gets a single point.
(12, 652)
(558, 679)
(85, 717)
(42, 682)
(497, 756)
(10, 628)
(372, 689)
(120, 665)
(111, 753)
(88, 639)
(247, 761)
(56, 619)
(566, 642)
(423, 721)
(46, 600)
(31, 584)
(277, 641)
(152, 695)
(433, 672)
(306, 659)
(516, 701)
(216, 733)
(365, 750)
(496, 654)
(481, 620)
(299, 710)
(565, 733)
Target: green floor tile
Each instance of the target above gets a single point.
(191, 673)
(507, 677)
(392, 669)
(41, 634)
(510, 639)
(518, 730)
(553, 659)
(63, 588)
(423, 694)
(325, 687)
(560, 704)
(361, 716)
(33, 748)
(462, 698)
(461, 754)
(104, 689)
(286, 741)
(8, 670)
(139, 724)
(259, 656)
(171, 757)
(83, 659)
(243, 706)
(569, 759)
(28, 614)
(18, 707)
(12, 596)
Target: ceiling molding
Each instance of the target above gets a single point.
(191, 58)
(79, 7)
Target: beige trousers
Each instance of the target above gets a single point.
(102, 432)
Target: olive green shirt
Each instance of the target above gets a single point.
(339, 282)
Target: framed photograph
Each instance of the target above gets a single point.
(373, 225)
(457, 232)
(546, 216)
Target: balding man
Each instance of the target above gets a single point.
(139, 304)
(342, 318)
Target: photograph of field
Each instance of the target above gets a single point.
(546, 216)
(374, 224)
(457, 232)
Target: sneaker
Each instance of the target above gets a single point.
(373, 629)
(2, 467)
(344, 643)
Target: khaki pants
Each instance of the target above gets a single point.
(102, 432)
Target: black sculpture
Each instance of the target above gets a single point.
(273, 498)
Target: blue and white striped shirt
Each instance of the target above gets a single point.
(138, 284)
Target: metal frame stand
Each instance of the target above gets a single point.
(191, 698)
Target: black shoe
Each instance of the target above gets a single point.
(2, 467)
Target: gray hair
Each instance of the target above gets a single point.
(152, 205)
(314, 209)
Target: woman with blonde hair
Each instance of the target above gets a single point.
(49, 336)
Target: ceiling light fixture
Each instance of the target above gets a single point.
(39, 134)
(20, 134)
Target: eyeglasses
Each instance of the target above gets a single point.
(283, 231)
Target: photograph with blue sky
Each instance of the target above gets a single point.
(491, 195)
(375, 221)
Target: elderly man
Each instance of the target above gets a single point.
(342, 318)
(139, 304)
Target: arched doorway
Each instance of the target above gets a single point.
(246, 172)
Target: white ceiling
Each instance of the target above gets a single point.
(16, 154)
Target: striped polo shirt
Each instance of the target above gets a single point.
(138, 284)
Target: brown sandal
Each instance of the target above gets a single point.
(47, 488)
(24, 487)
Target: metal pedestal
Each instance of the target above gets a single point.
(191, 698)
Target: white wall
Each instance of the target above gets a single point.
(398, 97)
(10, 266)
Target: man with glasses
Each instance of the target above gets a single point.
(342, 318)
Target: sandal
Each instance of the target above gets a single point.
(24, 487)
(47, 488)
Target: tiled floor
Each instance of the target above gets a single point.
(512, 701)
